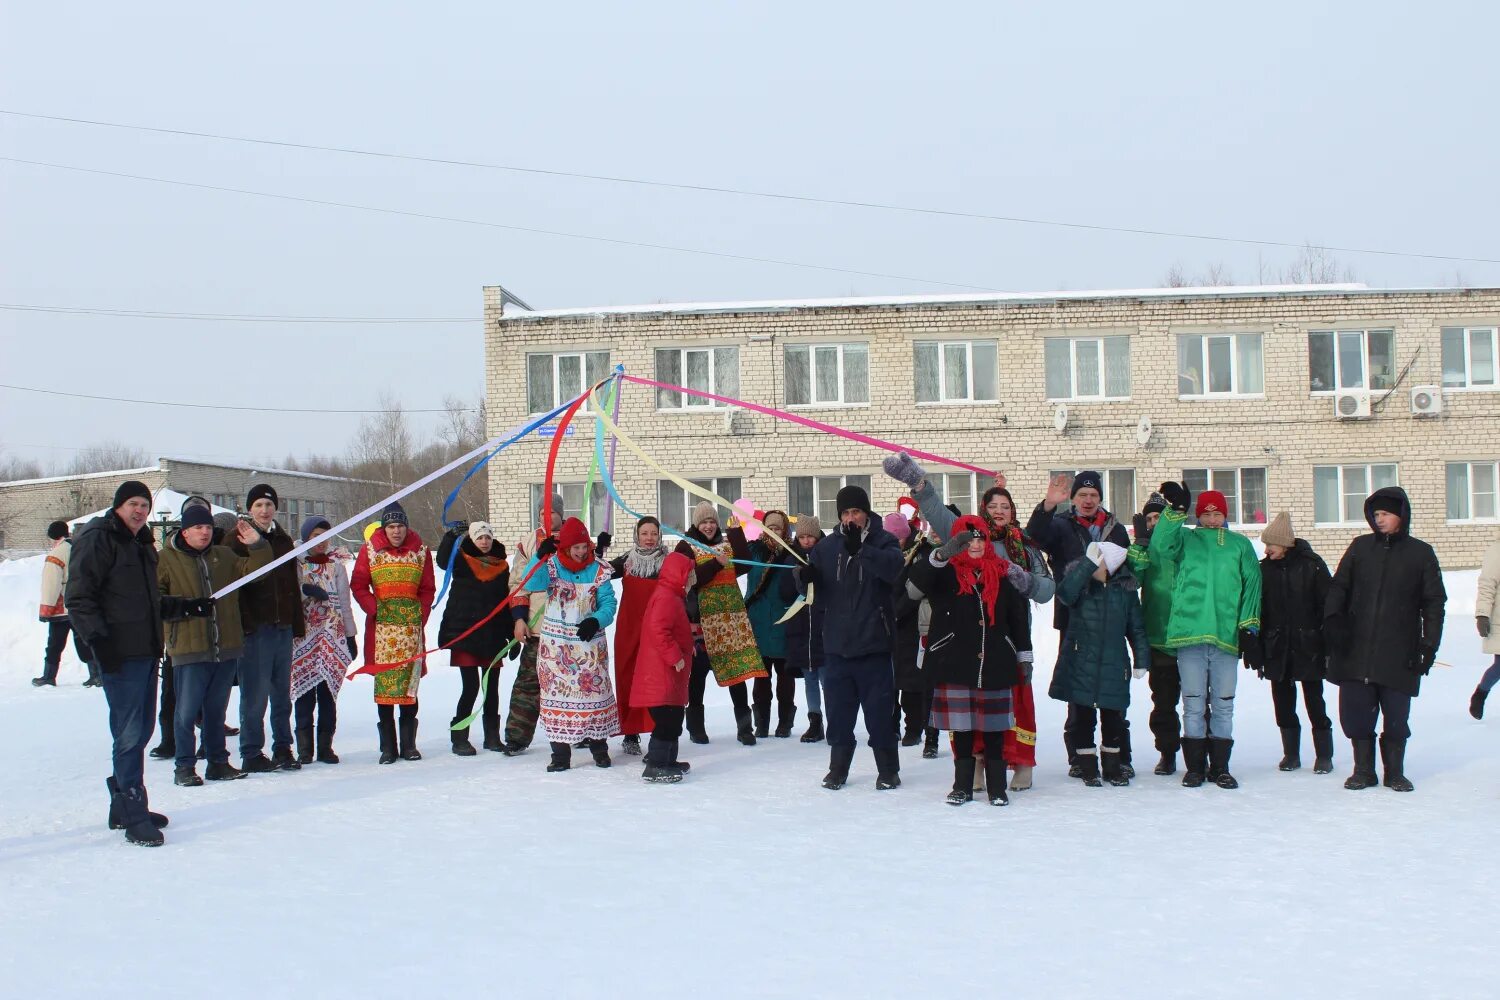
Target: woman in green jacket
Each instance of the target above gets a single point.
(204, 637)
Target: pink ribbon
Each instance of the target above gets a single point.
(815, 424)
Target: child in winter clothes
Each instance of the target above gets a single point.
(1294, 590)
(1215, 614)
(321, 658)
(1093, 666)
(663, 666)
(804, 632)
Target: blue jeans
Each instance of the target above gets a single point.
(814, 690)
(131, 694)
(202, 688)
(1491, 675)
(855, 684)
(1208, 678)
(266, 676)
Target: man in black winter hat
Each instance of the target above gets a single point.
(853, 573)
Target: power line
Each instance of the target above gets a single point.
(751, 193)
(496, 225)
(217, 406)
(229, 317)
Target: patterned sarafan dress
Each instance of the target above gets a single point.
(578, 702)
(395, 588)
(727, 635)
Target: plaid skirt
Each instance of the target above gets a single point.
(958, 708)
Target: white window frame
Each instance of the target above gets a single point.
(1108, 474)
(1468, 334)
(943, 483)
(1236, 390)
(557, 356)
(812, 349)
(1103, 394)
(941, 346)
(1469, 490)
(1237, 522)
(867, 481)
(1364, 344)
(1343, 468)
(714, 484)
(715, 384)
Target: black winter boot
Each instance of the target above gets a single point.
(259, 764)
(562, 757)
(140, 825)
(460, 739)
(1126, 754)
(117, 805)
(888, 769)
(1364, 766)
(929, 744)
(1393, 759)
(994, 780)
(222, 772)
(284, 761)
(839, 759)
(166, 749)
(963, 781)
(1113, 768)
(681, 765)
(631, 746)
(1322, 751)
(814, 732)
(659, 769)
(492, 740)
(762, 715)
(1218, 754)
(409, 751)
(1291, 748)
(325, 747)
(786, 718)
(746, 730)
(1167, 764)
(305, 745)
(49, 675)
(600, 750)
(187, 776)
(387, 730)
(1476, 702)
(96, 679)
(693, 719)
(1194, 761)
(1088, 766)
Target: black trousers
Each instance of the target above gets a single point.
(1360, 705)
(698, 682)
(1111, 723)
(994, 744)
(1166, 692)
(167, 717)
(470, 694)
(57, 638)
(915, 706)
(387, 713)
(786, 684)
(320, 699)
(1284, 697)
(666, 731)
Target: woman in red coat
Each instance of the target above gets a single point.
(663, 666)
(638, 572)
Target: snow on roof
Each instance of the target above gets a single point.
(82, 475)
(976, 298)
(255, 468)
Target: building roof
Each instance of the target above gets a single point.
(980, 298)
(256, 468)
(117, 473)
(82, 475)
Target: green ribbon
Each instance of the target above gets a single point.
(484, 678)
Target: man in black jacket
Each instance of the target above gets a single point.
(1383, 624)
(113, 599)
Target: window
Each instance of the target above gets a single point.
(818, 495)
(555, 379)
(1088, 368)
(676, 504)
(1351, 359)
(1119, 490)
(1220, 365)
(828, 375)
(572, 498)
(1471, 491)
(956, 488)
(963, 372)
(707, 369)
(294, 516)
(1244, 491)
(1339, 491)
(1469, 355)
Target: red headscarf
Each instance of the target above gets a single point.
(573, 533)
(987, 570)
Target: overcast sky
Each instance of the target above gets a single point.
(1368, 125)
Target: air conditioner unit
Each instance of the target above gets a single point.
(1427, 400)
(1351, 404)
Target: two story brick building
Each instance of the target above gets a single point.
(1303, 398)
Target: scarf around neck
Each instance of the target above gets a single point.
(645, 563)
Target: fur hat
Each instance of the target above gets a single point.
(1210, 501)
(129, 490)
(226, 522)
(262, 491)
(1279, 531)
(57, 530)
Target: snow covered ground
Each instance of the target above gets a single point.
(487, 876)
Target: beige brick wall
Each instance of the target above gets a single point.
(1288, 431)
(27, 508)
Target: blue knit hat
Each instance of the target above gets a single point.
(394, 513)
(313, 524)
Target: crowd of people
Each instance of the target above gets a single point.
(920, 621)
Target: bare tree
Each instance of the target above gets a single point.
(1315, 265)
(12, 468)
(1213, 275)
(107, 456)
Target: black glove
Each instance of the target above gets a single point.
(1336, 633)
(104, 654)
(548, 546)
(1483, 624)
(811, 575)
(853, 537)
(1426, 656)
(1177, 496)
(588, 628)
(602, 545)
(171, 608)
(198, 607)
(314, 591)
(1252, 649)
(459, 529)
(515, 651)
(353, 647)
(1142, 525)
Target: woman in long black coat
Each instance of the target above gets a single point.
(1383, 623)
(480, 583)
(1293, 592)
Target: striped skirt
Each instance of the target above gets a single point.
(958, 708)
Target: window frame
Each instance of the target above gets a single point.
(714, 484)
(1103, 396)
(1236, 375)
(812, 347)
(867, 481)
(557, 356)
(1468, 334)
(1237, 523)
(696, 404)
(1468, 466)
(1342, 468)
(941, 482)
(1107, 474)
(1364, 339)
(942, 368)
(599, 497)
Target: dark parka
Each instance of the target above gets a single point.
(1106, 628)
(908, 625)
(1059, 534)
(1385, 604)
(857, 592)
(112, 596)
(185, 572)
(962, 646)
(276, 597)
(1293, 594)
(804, 630)
(471, 599)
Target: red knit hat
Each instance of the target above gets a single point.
(573, 532)
(1211, 501)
